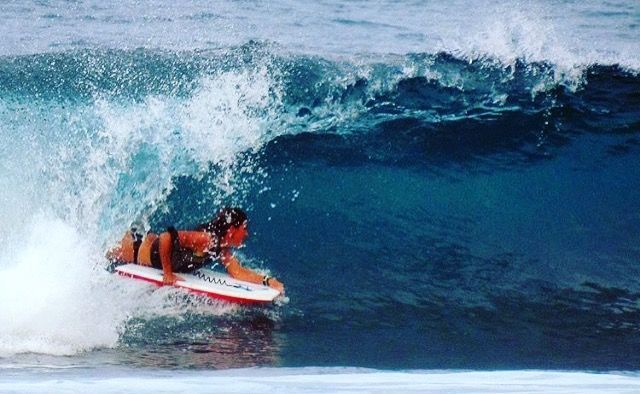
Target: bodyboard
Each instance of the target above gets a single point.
(206, 282)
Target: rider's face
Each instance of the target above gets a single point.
(236, 235)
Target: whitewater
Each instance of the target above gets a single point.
(447, 189)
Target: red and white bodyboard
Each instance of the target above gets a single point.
(206, 282)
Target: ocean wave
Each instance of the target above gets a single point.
(170, 114)
(435, 87)
(421, 150)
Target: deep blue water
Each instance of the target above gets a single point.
(502, 239)
(431, 197)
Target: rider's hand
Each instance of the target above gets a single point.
(170, 279)
(275, 284)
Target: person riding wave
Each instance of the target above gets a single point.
(185, 251)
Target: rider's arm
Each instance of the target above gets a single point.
(197, 241)
(165, 246)
(239, 272)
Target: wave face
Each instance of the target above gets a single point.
(460, 206)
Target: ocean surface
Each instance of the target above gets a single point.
(447, 189)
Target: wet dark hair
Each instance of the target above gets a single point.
(226, 218)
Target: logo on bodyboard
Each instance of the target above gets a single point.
(219, 281)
